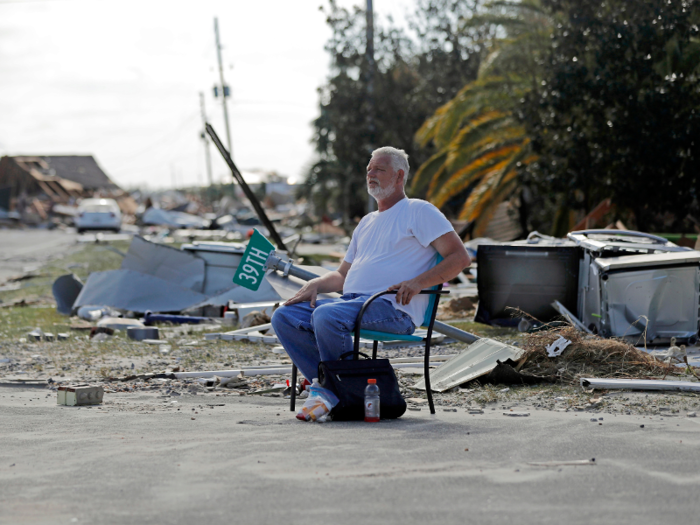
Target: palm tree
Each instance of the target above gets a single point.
(481, 145)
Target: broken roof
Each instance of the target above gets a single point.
(82, 169)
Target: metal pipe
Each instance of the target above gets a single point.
(275, 262)
(640, 384)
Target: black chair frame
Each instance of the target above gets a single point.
(356, 347)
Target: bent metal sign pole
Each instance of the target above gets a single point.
(260, 256)
(246, 189)
(251, 269)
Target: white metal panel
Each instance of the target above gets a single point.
(662, 301)
(640, 384)
(477, 360)
(655, 259)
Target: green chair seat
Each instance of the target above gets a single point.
(386, 336)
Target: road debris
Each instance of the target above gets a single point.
(66, 290)
(574, 463)
(557, 347)
(36, 335)
(588, 355)
(664, 278)
(80, 395)
(477, 360)
(140, 333)
(566, 314)
(640, 384)
(119, 323)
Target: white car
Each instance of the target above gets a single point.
(98, 214)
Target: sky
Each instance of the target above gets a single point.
(120, 79)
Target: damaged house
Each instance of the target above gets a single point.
(37, 183)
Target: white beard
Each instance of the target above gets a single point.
(379, 193)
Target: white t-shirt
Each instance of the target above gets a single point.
(393, 246)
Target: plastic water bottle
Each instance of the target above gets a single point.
(372, 401)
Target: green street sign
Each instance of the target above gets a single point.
(251, 269)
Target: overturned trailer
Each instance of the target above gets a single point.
(618, 283)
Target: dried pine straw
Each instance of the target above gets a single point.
(589, 356)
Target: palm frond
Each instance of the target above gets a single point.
(428, 171)
(462, 180)
(480, 141)
(496, 188)
(468, 146)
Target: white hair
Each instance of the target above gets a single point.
(399, 159)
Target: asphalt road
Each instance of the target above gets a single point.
(27, 249)
(137, 459)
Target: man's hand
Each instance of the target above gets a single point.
(307, 293)
(330, 282)
(406, 290)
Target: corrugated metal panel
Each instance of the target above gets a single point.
(477, 360)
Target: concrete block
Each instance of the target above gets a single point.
(80, 395)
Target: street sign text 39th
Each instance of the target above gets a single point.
(251, 269)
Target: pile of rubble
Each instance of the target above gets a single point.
(588, 355)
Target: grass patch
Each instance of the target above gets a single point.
(483, 330)
(82, 261)
(17, 321)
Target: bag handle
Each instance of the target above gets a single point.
(351, 352)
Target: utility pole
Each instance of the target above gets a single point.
(205, 139)
(371, 66)
(225, 91)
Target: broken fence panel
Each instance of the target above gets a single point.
(641, 384)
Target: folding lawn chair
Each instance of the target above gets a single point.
(428, 322)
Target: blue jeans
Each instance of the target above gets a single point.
(311, 335)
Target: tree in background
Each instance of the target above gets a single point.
(414, 76)
(481, 142)
(617, 113)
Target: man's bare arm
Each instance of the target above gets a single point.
(455, 259)
(330, 282)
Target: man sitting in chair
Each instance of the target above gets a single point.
(394, 248)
